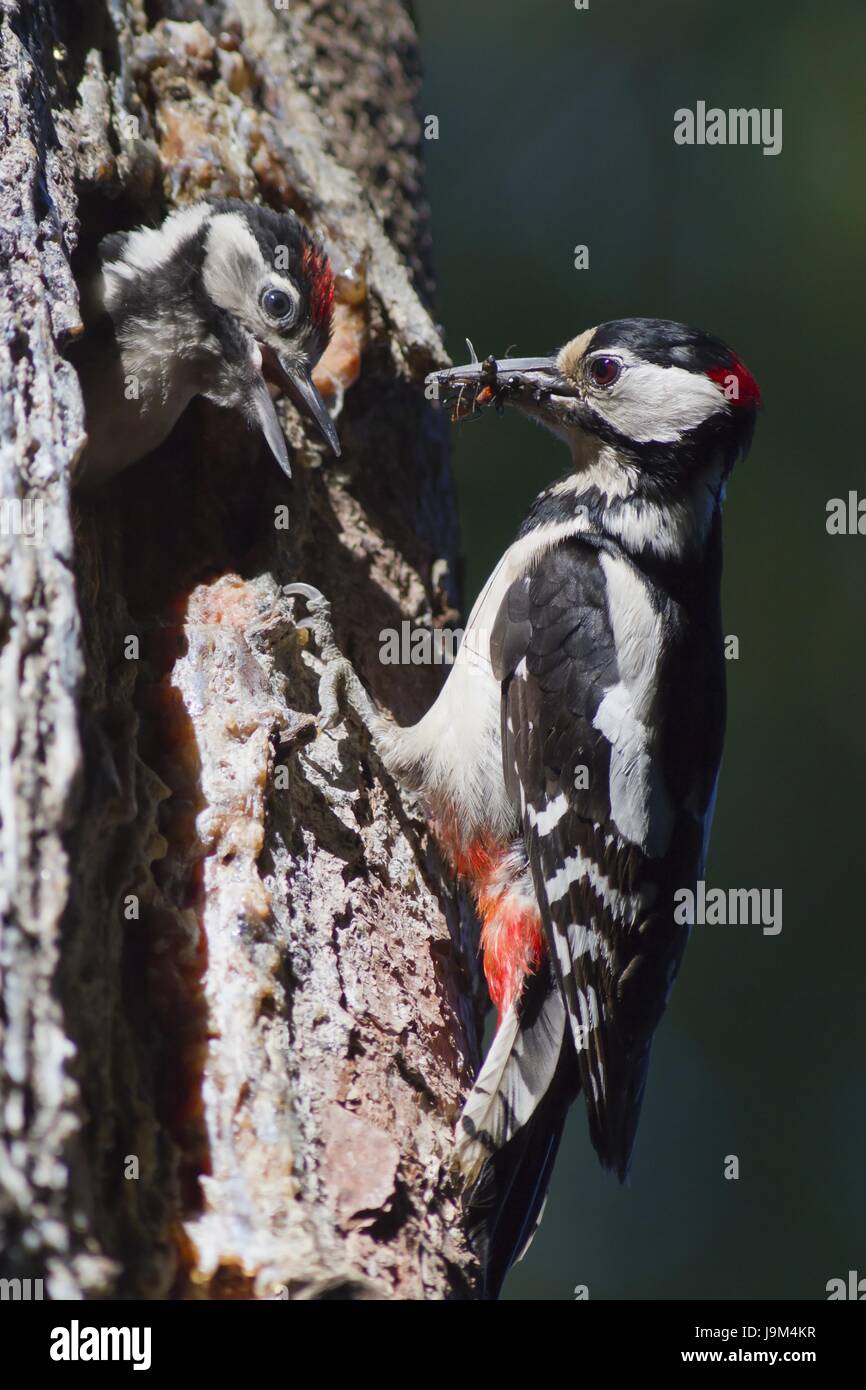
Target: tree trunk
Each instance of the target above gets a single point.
(239, 995)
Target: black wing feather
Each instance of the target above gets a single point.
(606, 905)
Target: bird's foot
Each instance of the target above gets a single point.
(339, 676)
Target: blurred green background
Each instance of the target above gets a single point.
(556, 128)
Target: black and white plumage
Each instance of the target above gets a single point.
(571, 759)
(599, 668)
(225, 300)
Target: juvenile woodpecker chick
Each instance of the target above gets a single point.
(570, 761)
(222, 300)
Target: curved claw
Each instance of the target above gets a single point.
(339, 676)
(304, 591)
(319, 622)
(337, 667)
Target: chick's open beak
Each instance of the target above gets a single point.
(297, 384)
(263, 409)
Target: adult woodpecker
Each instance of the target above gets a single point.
(221, 300)
(570, 761)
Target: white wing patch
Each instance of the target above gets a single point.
(639, 802)
(630, 765)
(544, 821)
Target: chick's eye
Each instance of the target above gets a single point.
(277, 304)
(604, 371)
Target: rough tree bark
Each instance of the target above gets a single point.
(238, 996)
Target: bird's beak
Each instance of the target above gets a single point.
(263, 408)
(296, 383)
(302, 393)
(526, 382)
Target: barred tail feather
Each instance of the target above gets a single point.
(484, 1123)
(512, 1125)
(506, 1205)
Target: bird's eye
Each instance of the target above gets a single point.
(604, 371)
(277, 304)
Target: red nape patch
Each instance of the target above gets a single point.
(317, 268)
(737, 383)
